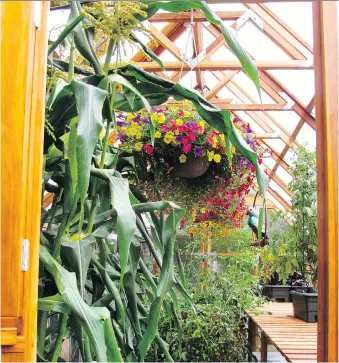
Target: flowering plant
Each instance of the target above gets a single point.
(177, 133)
(214, 201)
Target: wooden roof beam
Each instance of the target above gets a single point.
(276, 86)
(171, 30)
(198, 16)
(208, 65)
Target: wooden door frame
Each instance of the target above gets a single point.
(325, 25)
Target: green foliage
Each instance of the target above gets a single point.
(216, 333)
(235, 241)
(295, 248)
(101, 291)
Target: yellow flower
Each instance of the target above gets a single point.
(130, 116)
(187, 114)
(210, 155)
(168, 139)
(217, 158)
(169, 133)
(176, 132)
(157, 134)
(130, 132)
(202, 210)
(202, 123)
(233, 150)
(138, 146)
(161, 118)
(138, 135)
(179, 122)
(222, 137)
(183, 158)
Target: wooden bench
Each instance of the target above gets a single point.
(295, 339)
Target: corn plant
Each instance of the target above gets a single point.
(104, 294)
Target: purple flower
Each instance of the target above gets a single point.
(178, 138)
(121, 136)
(136, 118)
(190, 125)
(197, 150)
(120, 123)
(145, 121)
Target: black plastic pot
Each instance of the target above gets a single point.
(280, 293)
(297, 289)
(305, 306)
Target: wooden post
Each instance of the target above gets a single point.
(252, 335)
(325, 23)
(23, 61)
(263, 350)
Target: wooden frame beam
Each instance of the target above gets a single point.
(326, 54)
(198, 16)
(208, 65)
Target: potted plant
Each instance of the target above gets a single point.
(293, 252)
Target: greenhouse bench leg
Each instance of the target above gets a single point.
(263, 350)
(252, 335)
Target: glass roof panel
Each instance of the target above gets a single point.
(287, 119)
(262, 48)
(300, 82)
(306, 136)
(284, 175)
(300, 19)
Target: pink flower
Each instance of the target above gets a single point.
(186, 148)
(182, 128)
(173, 127)
(191, 136)
(185, 140)
(165, 128)
(181, 113)
(171, 122)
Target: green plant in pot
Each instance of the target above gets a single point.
(294, 250)
(102, 293)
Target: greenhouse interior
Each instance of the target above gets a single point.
(169, 181)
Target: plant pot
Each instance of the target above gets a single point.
(192, 168)
(279, 293)
(297, 289)
(305, 306)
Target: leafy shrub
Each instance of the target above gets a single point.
(217, 331)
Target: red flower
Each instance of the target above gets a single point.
(186, 148)
(182, 128)
(148, 148)
(173, 127)
(185, 141)
(181, 113)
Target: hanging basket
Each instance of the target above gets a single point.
(192, 168)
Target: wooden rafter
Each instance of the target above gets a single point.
(208, 65)
(198, 16)
(221, 84)
(172, 31)
(277, 87)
